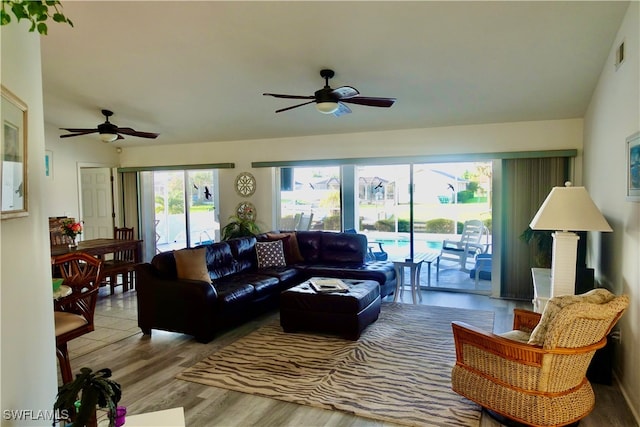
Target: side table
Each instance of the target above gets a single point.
(414, 265)
(541, 288)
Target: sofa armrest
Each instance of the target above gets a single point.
(188, 306)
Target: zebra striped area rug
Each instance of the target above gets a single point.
(399, 371)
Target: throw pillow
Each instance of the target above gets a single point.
(292, 252)
(556, 304)
(270, 254)
(191, 264)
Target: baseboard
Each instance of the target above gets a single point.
(626, 397)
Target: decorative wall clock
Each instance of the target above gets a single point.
(246, 211)
(245, 184)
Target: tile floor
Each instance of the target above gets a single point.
(115, 319)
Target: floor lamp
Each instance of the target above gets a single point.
(565, 210)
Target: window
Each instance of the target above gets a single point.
(310, 198)
(184, 208)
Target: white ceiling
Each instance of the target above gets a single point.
(195, 71)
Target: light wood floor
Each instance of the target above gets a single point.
(146, 367)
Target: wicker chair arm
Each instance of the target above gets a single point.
(525, 320)
(465, 334)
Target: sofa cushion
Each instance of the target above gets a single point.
(243, 250)
(233, 292)
(220, 261)
(165, 264)
(343, 248)
(191, 265)
(290, 243)
(310, 243)
(270, 254)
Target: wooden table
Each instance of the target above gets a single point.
(100, 247)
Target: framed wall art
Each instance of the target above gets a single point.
(48, 163)
(14, 188)
(633, 167)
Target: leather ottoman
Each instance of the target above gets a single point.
(343, 313)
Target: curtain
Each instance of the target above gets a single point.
(129, 182)
(526, 183)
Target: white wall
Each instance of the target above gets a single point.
(613, 115)
(27, 343)
(68, 153)
(521, 136)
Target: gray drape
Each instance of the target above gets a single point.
(526, 183)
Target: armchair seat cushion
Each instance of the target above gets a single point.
(516, 335)
(67, 322)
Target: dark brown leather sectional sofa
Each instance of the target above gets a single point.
(239, 289)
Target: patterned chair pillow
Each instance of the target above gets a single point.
(556, 304)
(270, 254)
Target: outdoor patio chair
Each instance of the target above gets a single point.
(536, 373)
(305, 222)
(469, 245)
(482, 269)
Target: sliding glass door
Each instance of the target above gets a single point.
(184, 213)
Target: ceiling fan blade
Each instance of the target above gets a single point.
(277, 95)
(342, 110)
(84, 132)
(294, 106)
(79, 130)
(133, 132)
(345, 92)
(371, 101)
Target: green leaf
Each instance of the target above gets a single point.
(42, 28)
(19, 11)
(4, 18)
(58, 17)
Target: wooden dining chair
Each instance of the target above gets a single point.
(123, 263)
(74, 313)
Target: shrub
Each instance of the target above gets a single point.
(440, 226)
(465, 196)
(390, 225)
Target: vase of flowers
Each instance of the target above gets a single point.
(70, 228)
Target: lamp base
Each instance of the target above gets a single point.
(563, 264)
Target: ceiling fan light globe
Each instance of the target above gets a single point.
(327, 107)
(108, 137)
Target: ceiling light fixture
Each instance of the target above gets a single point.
(327, 107)
(108, 137)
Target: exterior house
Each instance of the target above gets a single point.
(28, 364)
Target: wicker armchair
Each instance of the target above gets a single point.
(536, 374)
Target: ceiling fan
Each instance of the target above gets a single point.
(332, 101)
(108, 131)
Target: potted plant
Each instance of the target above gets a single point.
(87, 392)
(240, 226)
(543, 248)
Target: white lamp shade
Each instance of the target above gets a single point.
(569, 209)
(108, 137)
(327, 107)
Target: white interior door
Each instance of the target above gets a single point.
(97, 203)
